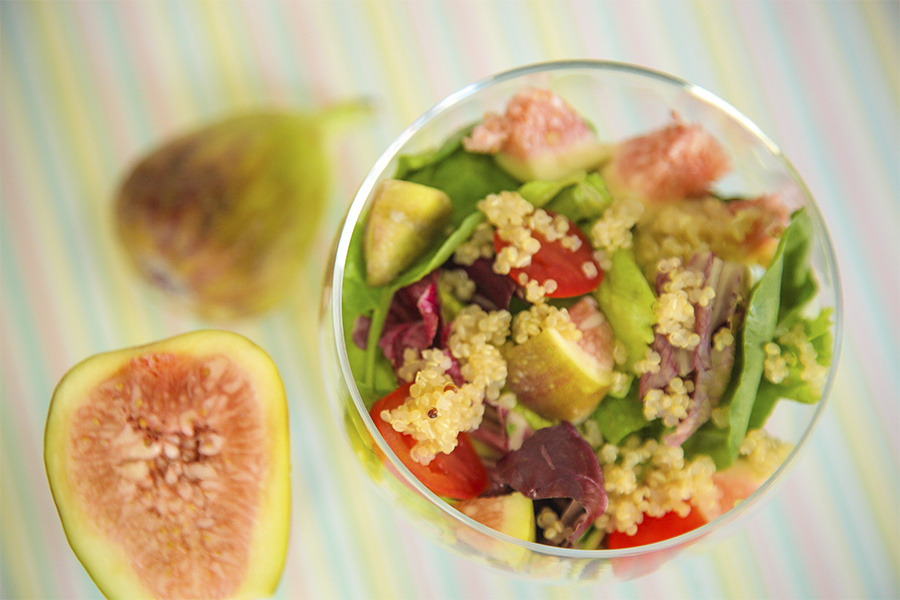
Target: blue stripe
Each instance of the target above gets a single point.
(870, 89)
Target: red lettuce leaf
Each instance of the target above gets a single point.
(493, 291)
(413, 320)
(709, 369)
(556, 462)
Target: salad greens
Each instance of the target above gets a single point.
(627, 300)
(785, 287)
(465, 177)
(581, 197)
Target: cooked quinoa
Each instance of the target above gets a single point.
(650, 364)
(670, 405)
(682, 229)
(540, 317)
(480, 245)
(723, 338)
(675, 306)
(475, 340)
(515, 221)
(436, 410)
(775, 365)
(647, 477)
(613, 230)
(802, 351)
(763, 453)
(457, 282)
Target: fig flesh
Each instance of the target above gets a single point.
(512, 514)
(169, 467)
(538, 137)
(222, 217)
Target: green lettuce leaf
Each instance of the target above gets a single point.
(582, 197)
(627, 299)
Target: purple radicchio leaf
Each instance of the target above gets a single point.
(708, 368)
(493, 291)
(501, 429)
(556, 462)
(413, 320)
(455, 371)
(360, 334)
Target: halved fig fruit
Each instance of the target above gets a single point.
(169, 465)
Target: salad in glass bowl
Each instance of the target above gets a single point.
(581, 314)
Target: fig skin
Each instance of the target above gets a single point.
(104, 556)
(222, 217)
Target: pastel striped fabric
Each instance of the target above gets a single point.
(87, 87)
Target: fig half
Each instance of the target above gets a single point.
(169, 465)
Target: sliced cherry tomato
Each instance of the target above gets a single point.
(460, 474)
(651, 530)
(657, 529)
(562, 265)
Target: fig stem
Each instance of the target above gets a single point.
(342, 115)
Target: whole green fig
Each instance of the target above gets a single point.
(221, 218)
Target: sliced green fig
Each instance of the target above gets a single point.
(222, 217)
(169, 467)
(539, 137)
(555, 377)
(403, 222)
(512, 514)
(561, 379)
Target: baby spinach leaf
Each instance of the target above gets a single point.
(794, 387)
(464, 176)
(410, 163)
(798, 285)
(619, 417)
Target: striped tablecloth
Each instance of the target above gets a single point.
(86, 87)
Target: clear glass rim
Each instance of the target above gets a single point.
(373, 177)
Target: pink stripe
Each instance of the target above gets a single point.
(99, 65)
(144, 61)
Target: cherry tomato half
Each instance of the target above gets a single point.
(562, 265)
(651, 530)
(460, 474)
(657, 529)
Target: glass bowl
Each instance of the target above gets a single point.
(620, 101)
